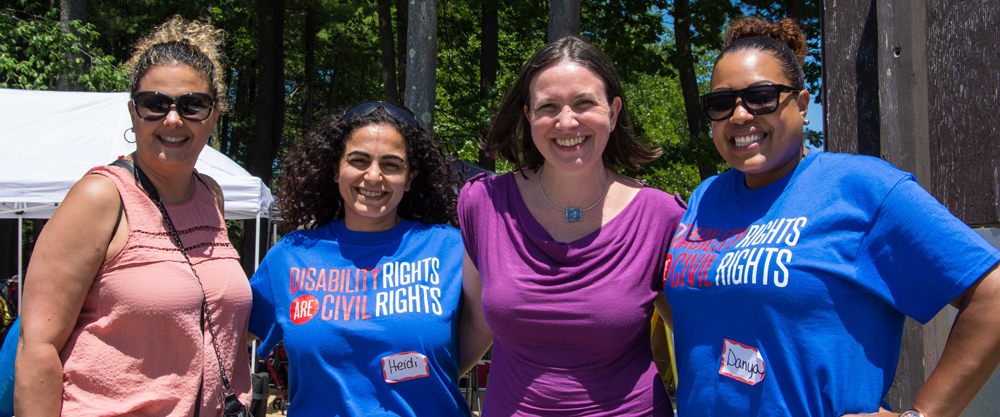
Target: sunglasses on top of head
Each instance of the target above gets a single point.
(152, 105)
(401, 114)
(757, 100)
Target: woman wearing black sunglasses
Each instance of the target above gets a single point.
(791, 275)
(366, 297)
(136, 303)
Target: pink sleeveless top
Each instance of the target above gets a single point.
(138, 347)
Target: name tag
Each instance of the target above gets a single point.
(404, 366)
(741, 362)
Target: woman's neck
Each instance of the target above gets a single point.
(578, 188)
(357, 223)
(173, 187)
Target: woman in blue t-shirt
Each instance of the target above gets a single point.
(367, 296)
(791, 275)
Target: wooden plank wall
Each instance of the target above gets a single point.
(963, 60)
(916, 83)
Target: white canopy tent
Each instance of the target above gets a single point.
(49, 139)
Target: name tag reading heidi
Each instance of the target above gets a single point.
(404, 366)
(741, 362)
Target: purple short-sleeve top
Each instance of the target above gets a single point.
(571, 320)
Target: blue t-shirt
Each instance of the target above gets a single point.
(369, 320)
(789, 300)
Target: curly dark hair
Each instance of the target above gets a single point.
(309, 197)
(783, 39)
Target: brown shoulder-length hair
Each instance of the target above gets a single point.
(510, 134)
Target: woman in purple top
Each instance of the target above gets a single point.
(566, 253)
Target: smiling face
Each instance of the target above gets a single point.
(172, 142)
(570, 115)
(372, 176)
(765, 147)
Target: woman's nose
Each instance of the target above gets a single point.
(567, 119)
(740, 113)
(173, 118)
(373, 173)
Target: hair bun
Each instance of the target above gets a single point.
(786, 31)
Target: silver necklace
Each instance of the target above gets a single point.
(574, 214)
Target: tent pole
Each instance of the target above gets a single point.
(20, 258)
(256, 244)
(256, 263)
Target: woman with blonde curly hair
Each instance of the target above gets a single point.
(791, 275)
(136, 302)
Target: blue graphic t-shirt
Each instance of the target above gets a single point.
(789, 300)
(369, 320)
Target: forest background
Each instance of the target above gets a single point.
(293, 62)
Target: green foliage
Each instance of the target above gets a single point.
(636, 34)
(811, 26)
(35, 49)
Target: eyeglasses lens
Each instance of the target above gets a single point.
(758, 100)
(761, 98)
(191, 106)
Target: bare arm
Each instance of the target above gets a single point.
(474, 335)
(664, 310)
(216, 191)
(971, 355)
(69, 252)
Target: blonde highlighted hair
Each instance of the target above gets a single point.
(182, 42)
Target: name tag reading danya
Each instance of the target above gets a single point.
(404, 366)
(741, 362)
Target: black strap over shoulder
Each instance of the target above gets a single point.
(121, 203)
(231, 404)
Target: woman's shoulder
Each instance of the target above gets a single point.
(485, 182)
(862, 171)
(662, 197)
(435, 229)
(483, 188)
(436, 234)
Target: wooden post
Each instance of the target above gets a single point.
(421, 63)
(915, 83)
(564, 19)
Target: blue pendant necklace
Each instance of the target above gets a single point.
(574, 214)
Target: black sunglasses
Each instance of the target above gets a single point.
(758, 100)
(152, 105)
(402, 114)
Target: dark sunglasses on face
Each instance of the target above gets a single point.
(152, 105)
(401, 114)
(758, 100)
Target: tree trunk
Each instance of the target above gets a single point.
(310, 69)
(70, 10)
(334, 82)
(402, 17)
(684, 62)
(388, 51)
(564, 19)
(270, 107)
(489, 63)
(795, 9)
(8, 248)
(421, 75)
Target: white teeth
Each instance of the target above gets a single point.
(571, 141)
(173, 139)
(744, 141)
(370, 193)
